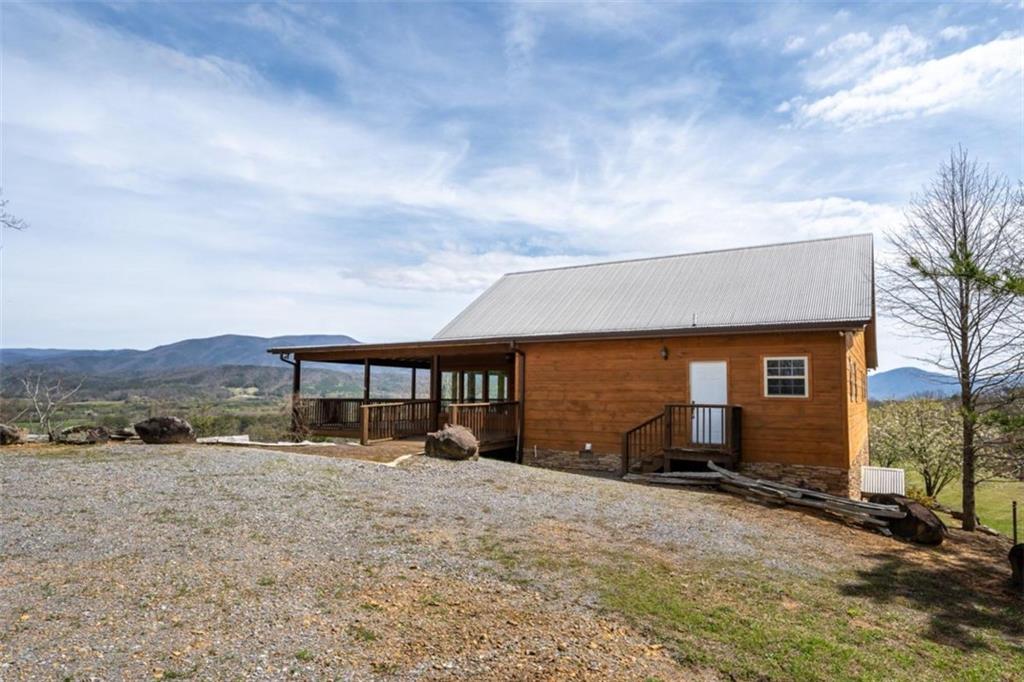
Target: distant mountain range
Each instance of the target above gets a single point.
(215, 351)
(907, 382)
(216, 367)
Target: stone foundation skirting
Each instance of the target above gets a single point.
(572, 461)
(828, 479)
(861, 460)
(832, 480)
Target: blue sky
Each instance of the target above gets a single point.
(367, 169)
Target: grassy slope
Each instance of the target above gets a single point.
(932, 618)
(993, 498)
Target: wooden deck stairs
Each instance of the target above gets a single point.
(683, 432)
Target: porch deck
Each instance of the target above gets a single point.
(473, 384)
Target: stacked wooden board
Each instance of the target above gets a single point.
(868, 514)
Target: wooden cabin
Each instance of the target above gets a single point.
(755, 358)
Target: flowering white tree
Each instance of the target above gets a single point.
(922, 435)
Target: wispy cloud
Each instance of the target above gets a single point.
(954, 33)
(966, 79)
(855, 56)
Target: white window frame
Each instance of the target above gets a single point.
(806, 376)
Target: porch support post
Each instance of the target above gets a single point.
(487, 386)
(461, 393)
(296, 385)
(413, 387)
(366, 379)
(435, 389)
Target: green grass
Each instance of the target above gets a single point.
(993, 498)
(363, 634)
(889, 623)
(304, 655)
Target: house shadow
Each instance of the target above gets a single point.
(964, 594)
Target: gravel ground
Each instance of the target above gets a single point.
(137, 561)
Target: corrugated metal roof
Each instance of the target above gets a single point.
(801, 283)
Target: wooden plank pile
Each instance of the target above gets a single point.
(868, 514)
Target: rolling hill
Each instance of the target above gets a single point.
(210, 368)
(907, 382)
(215, 351)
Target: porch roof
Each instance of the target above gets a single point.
(401, 354)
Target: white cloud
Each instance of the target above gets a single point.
(794, 43)
(963, 79)
(520, 41)
(954, 33)
(855, 56)
(455, 268)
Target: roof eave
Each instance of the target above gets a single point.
(828, 325)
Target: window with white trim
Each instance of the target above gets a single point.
(786, 377)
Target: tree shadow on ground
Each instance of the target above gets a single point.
(964, 594)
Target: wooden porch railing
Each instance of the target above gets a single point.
(492, 422)
(690, 428)
(387, 421)
(333, 414)
(377, 420)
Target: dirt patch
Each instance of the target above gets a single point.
(378, 452)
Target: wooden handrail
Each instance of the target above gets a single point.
(387, 421)
(332, 413)
(692, 427)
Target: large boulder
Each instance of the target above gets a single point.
(919, 525)
(163, 430)
(452, 442)
(83, 435)
(11, 435)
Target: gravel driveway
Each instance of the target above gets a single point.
(137, 561)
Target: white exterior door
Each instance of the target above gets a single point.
(709, 385)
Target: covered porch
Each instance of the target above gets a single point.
(477, 385)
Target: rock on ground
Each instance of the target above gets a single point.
(920, 524)
(11, 435)
(164, 430)
(83, 435)
(452, 442)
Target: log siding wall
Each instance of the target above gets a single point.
(592, 391)
(856, 407)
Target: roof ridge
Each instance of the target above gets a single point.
(691, 253)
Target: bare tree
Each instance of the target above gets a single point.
(46, 399)
(8, 220)
(965, 225)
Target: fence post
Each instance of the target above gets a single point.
(365, 419)
(625, 454)
(668, 427)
